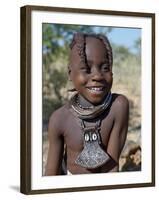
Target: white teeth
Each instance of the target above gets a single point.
(97, 89)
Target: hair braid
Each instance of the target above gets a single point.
(108, 49)
(79, 39)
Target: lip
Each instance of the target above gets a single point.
(96, 86)
(96, 89)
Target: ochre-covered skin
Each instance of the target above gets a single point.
(88, 73)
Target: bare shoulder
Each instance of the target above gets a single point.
(120, 104)
(120, 101)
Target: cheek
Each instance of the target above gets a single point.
(109, 78)
(79, 79)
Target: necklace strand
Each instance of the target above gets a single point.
(91, 111)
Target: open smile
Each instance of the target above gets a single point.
(96, 90)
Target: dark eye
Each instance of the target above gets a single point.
(105, 68)
(86, 69)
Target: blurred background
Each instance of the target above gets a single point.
(126, 45)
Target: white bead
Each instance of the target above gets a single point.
(94, 136)
(86, 137)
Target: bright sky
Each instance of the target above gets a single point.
(124, 36)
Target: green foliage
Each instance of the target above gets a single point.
(52, 94)
(58, 80)
(137, 46)
(49, 105)
(120, 54)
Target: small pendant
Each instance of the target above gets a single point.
(92, 155)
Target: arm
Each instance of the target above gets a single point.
(119, 131)
(56, 147)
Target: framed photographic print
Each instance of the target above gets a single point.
(48, 35)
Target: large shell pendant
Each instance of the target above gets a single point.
(92, 155)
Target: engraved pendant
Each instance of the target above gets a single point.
(92, 155)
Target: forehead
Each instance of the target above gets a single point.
(94, 50)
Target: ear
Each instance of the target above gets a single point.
(69, 73)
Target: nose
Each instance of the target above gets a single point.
(97, 75)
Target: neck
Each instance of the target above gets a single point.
(85, 109)
(84, 102)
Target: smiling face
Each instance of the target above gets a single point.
(91, 78)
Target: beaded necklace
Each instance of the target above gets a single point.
(91, 111)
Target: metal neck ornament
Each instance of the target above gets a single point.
(92, 111)
(92, 155)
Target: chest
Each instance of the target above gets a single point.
(74, 134)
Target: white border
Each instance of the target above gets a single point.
(39, 182)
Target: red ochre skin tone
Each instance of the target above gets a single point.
(64, 127)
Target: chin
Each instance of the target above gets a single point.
(95, 98)
(96, 101)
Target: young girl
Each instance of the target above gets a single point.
(93, 125)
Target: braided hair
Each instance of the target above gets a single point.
(79, 39)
